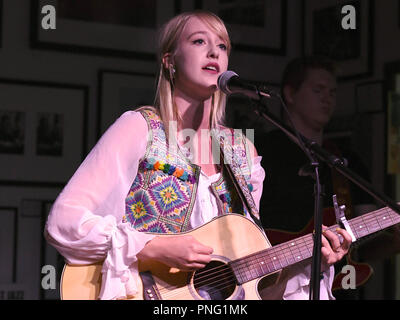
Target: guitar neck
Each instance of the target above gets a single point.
(285, 254)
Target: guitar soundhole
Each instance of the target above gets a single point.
(215, 282)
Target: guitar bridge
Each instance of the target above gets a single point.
(150, 291)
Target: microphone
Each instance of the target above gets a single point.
(229, 82)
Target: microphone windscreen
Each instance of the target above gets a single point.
(224, 79)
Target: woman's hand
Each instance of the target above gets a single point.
(181, 252)
(332, 250)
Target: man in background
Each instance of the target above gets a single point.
(287, 206)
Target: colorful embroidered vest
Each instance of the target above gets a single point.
(162, 196)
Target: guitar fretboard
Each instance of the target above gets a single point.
(285, 254)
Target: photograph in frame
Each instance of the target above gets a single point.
(257, 26)
(323, 34)
(29, 244)
(8, 244)
(127, 29)
(121, 91)
(1, 23)
(393, 133)
(43, 127)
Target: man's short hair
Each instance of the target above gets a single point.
(296, 70)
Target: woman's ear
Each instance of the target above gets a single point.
(169, 67)
(167, 61)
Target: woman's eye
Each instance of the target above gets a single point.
(222, 46)
(198, 41)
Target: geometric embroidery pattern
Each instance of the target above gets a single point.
(159, 209)
(161, 198)
(168, 196)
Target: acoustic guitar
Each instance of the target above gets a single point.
(243, 256)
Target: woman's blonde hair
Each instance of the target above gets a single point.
(169, 35)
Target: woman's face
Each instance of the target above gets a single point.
(200, 58)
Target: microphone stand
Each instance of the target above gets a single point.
(316, 153)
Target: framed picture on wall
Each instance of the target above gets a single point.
(324, 34)
(42, 131)
(108, 27)
(255, 26)
(24, 250)
(121, 91)
(38, 209)
(8, 244)
(393, 133)
(1, 23)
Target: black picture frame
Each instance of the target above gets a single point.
(10, 225)
(391, 82)
(30, 153)
(121, 91)
(39, 209)
(91, 34)
(253, 32)
(353, 50)
(31, 249)
(1, 24)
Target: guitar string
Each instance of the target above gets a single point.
(218, 279)
(226, 272)
(207, 272)
(354, 222)
(226, 281)
(217, 285)
(370, 218)
(175, 293)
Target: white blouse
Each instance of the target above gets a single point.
(85, 223)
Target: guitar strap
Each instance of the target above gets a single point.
(231, 166)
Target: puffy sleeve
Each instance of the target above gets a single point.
(85, 223)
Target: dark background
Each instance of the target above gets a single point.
(60, 89)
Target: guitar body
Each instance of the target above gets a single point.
(231, 236)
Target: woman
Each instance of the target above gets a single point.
(129, 184)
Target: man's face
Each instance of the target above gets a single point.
(315, 100)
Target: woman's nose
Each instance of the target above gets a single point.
(213, 52)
